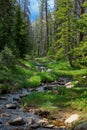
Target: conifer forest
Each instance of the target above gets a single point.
(43, 65)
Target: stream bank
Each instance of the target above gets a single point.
(13, 117)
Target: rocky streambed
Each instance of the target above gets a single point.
(13, 117)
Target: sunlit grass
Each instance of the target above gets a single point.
(74, 98)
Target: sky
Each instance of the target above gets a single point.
(34, 8)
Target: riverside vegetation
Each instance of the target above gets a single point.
(24, 74)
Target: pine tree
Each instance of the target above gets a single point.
(7, 11)
(21, 33)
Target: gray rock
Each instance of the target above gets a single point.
(11, 106)
(49, 126)
(35, 126)
(17, 122)
(82, 126)
(3, 98)
(31, 120)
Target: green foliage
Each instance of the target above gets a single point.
(82, 81)
(21, 33)
(80, 55)
(13, 28)
(47, 77)
(7, 58)
(4, 87)
(7, 23)
(34, 81)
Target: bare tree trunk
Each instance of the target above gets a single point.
(47, 32)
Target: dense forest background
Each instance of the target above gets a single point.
(60, 33)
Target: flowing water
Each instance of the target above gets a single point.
(7, 115)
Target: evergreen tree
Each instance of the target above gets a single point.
(21, 33)
(7, 10)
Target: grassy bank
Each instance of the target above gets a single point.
(25, 74)
(65, 99)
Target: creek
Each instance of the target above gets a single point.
(10, 110)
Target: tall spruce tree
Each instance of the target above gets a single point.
(7, 11)
(21, 33)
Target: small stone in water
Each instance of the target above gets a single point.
(11, 106)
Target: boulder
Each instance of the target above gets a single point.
(17, 122)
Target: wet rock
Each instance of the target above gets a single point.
(35, 126)
(17, 122)
(5, 115)
(50, 126)
(11, 106)
(31, 120)
(82, 126)
(3, 98)
(48, 88)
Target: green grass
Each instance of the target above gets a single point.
(46, 76)
(74, 98)
(25, 73)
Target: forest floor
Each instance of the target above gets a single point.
(57, 91)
